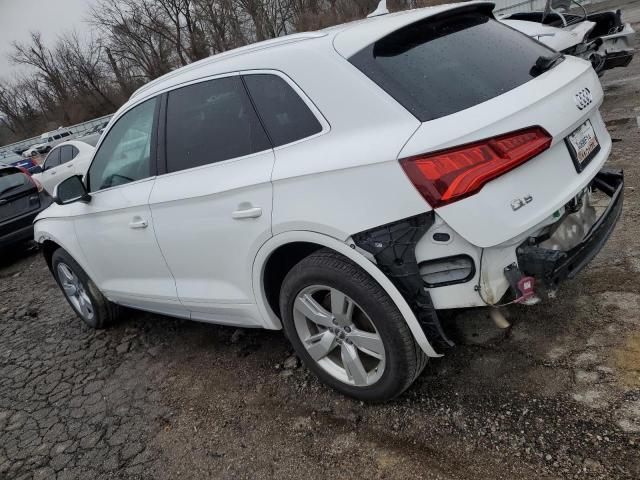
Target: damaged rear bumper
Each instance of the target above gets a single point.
(618, 59)
(552, 266)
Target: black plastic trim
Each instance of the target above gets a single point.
(553, 266)
(393, 247)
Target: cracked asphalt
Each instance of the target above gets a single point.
(555, 396)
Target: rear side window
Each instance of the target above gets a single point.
(439, 66)
(285, 115)
(66, 154)
(210, 122)
(53, 159)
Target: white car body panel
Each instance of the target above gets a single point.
(209, 252)
(127, 262)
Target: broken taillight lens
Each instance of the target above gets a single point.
(449, 175)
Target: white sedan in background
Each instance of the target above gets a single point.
(64, 161)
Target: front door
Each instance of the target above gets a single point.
(115, 229)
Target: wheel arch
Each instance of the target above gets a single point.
(291, 247)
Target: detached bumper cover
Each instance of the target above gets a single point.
(618, 59)
(553, 266)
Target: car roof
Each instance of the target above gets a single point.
(347, 39)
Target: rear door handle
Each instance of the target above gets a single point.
(253, 212)
(138, 222)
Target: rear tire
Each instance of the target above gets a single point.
(81, 293)
(347, 330)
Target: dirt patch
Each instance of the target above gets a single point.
(627, 360)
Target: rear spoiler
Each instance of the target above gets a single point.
(361, 34)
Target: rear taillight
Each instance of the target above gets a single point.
(449, 175)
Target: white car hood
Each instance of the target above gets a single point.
(557, 38)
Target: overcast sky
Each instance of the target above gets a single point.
(50, 17)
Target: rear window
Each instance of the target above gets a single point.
(11, 179)
(439, 66)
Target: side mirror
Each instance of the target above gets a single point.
(71, 190)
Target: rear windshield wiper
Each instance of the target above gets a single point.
(546, 62)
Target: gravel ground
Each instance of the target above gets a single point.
(555, 396)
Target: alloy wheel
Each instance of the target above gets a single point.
(74, 291)
(338, 335)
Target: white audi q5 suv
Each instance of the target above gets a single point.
(344, 185)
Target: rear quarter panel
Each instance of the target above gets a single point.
(348, 179)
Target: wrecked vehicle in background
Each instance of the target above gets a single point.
(602, 38)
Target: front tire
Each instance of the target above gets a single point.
(347, 330)
(81, 293)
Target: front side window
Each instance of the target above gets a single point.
(53, 159)
(210, 122)
(285, 115)
(125, 154)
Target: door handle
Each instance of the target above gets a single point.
(69, 165)
(138, 222)
(253, 212)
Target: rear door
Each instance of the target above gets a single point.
(212, 209)
(468, 78)
(51, 170)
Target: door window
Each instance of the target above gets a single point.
(66, 154)
(285, 115)
(53, 159)
(125, 154)
(210, 122)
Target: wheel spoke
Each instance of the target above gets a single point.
(67, 273)
(312, 310)
(69, 290)
(321, 344)
(353, 365)
(370, 343)
(341, 307)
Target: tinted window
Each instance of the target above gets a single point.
(285, 115)
(125, 154)
(210, 122)
(56, 137)
(66, 154)
(53, 159)
(440, 66)
(10, 180)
